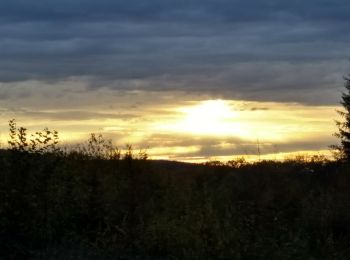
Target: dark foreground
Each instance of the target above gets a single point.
(77, 207)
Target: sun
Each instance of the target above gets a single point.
(209, 117)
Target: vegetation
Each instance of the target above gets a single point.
(97, 202)
(344, 126)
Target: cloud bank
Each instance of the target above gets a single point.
(258, 50)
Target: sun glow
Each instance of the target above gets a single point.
(209, 117)
(192, 129)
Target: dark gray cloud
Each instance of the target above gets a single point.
(255, 49)
(233, 146)
(228, 10)
(72, 115)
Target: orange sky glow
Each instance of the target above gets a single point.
(197, 130)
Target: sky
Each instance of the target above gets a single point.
(189, 80)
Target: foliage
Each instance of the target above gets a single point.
(344, 126)
(99, 148)
(237, 163)
(86, 204)
(41, 142)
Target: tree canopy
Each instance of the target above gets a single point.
(344, 125)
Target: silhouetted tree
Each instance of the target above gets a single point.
(45, 141)
(344, 126)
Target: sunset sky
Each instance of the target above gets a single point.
(189, 80)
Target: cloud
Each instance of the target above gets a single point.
(206, 147)
(260, 50)
(71, 115)
(250, 10)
